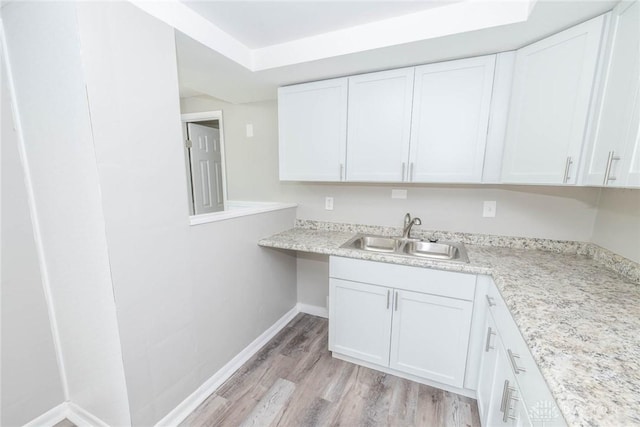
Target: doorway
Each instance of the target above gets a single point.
(204, 156)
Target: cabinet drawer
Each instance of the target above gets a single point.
(417, 279)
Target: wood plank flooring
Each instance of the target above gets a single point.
(294, 381)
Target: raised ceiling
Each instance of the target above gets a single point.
(242, 51)
(258, 24)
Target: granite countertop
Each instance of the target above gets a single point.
(579, 317)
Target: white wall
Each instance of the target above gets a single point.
(189, 298)
(617, 226)
(44, 55)
(31, 383)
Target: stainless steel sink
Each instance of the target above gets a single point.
(409, 247)
(432, 250)
(377, 244)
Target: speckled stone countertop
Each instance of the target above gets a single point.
(579, 317)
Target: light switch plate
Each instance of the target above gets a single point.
(489, 209)
(249, 130)
(398, 194)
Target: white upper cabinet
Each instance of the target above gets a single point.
(451, 105)
(312, 126)
(613, 158)
(550, 104)
(379, 122)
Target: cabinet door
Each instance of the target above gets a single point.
(360, 320)
(379, 123)
(312, 126)
(630, 162)
(487, 367)
(505, 408)
(550, 104)
(451, 104)
(616, 130)
(430, 336)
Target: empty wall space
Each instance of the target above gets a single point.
(617, 225)
(31, 383)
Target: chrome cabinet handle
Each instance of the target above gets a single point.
(512, 358)
(507, 402)
(388, 297)
(567, 167)
(505, 393)
(487, 345)
(403, 168)
(341, 171)
(607, 173)
(396, 303)
(410, 172)
(490, 301)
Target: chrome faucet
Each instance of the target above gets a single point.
(408, 223)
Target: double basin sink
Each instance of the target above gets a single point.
(409, 247)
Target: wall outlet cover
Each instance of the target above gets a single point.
(398, 194)
(489, 209)
(328, 203)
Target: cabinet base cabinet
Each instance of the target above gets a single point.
(360, 324)
(509, 374)
(418, 333)
(430, 336)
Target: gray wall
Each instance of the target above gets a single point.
(189, 298)
(45, 57)
(31, 382)
(617, 226)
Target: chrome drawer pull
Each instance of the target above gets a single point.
(388, 294)
(488, 346)
(505, 393)
(567, 167)
(507, 407)
(490, 301)
(512, 358)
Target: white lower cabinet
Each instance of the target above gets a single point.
(412, 325)
(511, 389)
(430, 335)
(363, 315)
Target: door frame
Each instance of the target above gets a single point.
(195, 118)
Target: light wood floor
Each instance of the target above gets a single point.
(294, 381)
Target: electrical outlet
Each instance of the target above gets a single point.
(249, 130)
(489, 209)
(328, 203)
(398, 194)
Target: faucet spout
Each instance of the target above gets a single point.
(408, 224)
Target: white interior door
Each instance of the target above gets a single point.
(206, 168)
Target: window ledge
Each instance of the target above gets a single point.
(238, 209)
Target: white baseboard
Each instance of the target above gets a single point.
(83, 418)
(313, 310)
(187, 406)
(52, 417)
(69, 411)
